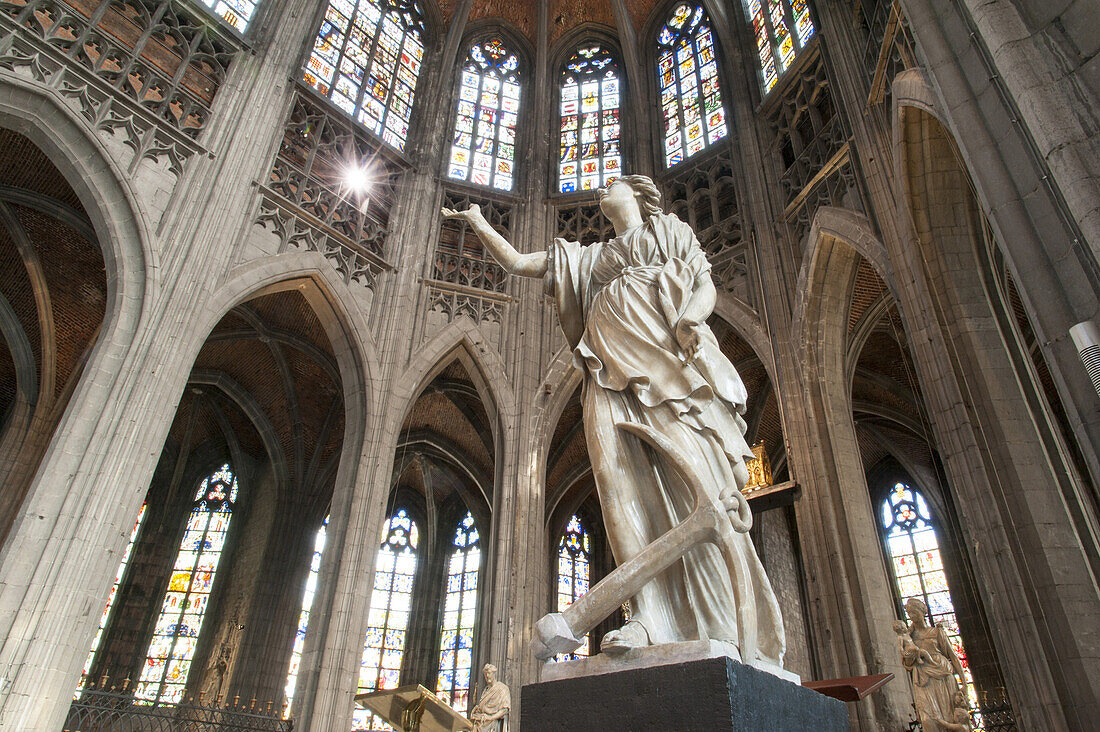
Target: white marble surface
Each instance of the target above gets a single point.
(649, 656)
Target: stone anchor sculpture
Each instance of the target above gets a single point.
(709, 521)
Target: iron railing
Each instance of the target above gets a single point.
(110, 711)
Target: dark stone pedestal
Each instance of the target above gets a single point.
(711, 695)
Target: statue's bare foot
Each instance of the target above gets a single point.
(632, 635)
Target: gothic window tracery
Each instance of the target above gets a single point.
(367, 59)
(776, 44)
(687, 81)
(574, 573)
(917, 565)
(589, 152)
(176, 633)
(459, 616)
(483, 145)
(303, 617)
(390, 608)
(111, 597)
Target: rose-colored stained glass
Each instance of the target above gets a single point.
(176, 631)
(918, 567)
(483, 144)
(388, 616)
(459, 616)
(687, 80)
(366, 59)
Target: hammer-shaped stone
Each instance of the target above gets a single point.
(709, 521)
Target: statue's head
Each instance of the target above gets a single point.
(916, 610)
(490, 673)
(900, 627)
(631, 190)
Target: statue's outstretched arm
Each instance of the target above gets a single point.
(524, 265)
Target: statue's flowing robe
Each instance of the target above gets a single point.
(619, 303)
(934, 683)
(495, 699)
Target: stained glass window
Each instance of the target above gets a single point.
(390, 606)
(776, 46)
(687, 76)
(574, 561)
(238, 13)
(111, 597)
(366, 59)
(918, 566)
(303, 618)
(176, 632)
(459, 614)
(589, 152)
(483, 148)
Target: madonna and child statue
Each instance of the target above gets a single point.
(662, 418)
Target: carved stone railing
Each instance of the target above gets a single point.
(583, 222)
(705, 196)
(464, 278)
(307, 200)
(889, 47)
(476, 273)
(811, 149)
(818, 154)
(150, 68)
(455, 300)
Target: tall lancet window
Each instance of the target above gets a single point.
(111, 597)
(589, 152)
(303, 617)
(687, 77)
(177, 629)
(918, 566)
(390, 606)
(459, 616)
(574, 562)
(483, 146)
(366, 59)
(776, 46)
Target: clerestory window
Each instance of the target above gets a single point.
(366, 59)
(687, 81)
(589, 155)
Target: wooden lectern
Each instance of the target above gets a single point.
(413, 709)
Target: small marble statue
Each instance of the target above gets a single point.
(634, 311)
(933, 666)
(489, 712)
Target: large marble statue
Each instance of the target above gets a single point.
(489, 712)
(634, 310)
(933, 666)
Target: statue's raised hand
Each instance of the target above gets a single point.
(470, 214)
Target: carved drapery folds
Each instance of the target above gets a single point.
(306, 198)
(811, 143)
(148, 67)
(465, 280)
